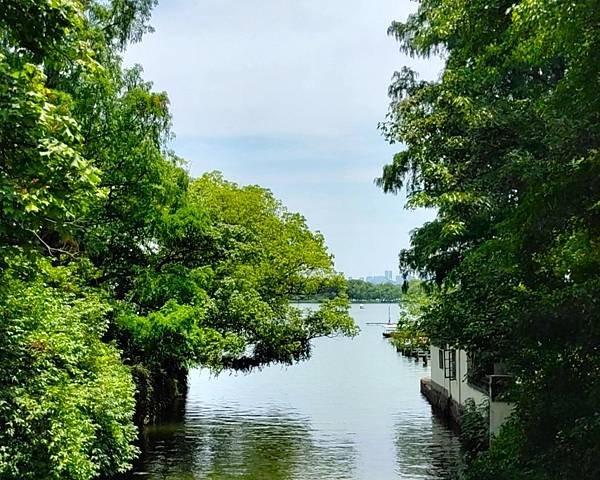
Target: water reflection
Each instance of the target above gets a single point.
(353, 411)
(217, 442)
(427, 449)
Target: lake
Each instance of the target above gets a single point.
(353, 411)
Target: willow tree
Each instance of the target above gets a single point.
(504, 145)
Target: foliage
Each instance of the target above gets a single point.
(111, 254)
(361, 291)
(409, 336)
(218, 284)
(505, 146)
(357, 291)
(498, 462)
(414, 301)
(66, 401)
(409, 331)
(474, 429)
(45, 182)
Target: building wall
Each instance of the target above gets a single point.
(499, 413)
(437, 373)
(459, 390)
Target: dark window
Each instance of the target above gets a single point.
(441, 358)
(479, 367)
(450, 364)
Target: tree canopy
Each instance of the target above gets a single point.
(504, 145)
(118, 270)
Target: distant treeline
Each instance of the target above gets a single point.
(360, 291)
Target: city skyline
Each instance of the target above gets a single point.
(389, 276)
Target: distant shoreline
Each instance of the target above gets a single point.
(353, 302)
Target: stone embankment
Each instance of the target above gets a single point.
(438, 397)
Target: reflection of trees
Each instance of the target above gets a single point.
(427, 448)
(250, 448)
(223, 445)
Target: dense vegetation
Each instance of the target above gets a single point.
(361, 291)
(358, 291)
(118, 271)
(409, 333)
(505, 145)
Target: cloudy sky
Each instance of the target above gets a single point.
(287, 94)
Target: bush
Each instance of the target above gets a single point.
(474, 429)
(66, 400)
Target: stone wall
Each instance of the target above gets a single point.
(438, 398)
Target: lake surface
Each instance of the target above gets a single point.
(353, 411)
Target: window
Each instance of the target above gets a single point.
(441, 358)
(450, 364)
(479, 367)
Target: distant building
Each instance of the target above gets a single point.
(387, 277)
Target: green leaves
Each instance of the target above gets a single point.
(45, 183)
(261, 256)
(106, 241)
(361, 291)
(504, 146)
(66, 401)
(177, 336)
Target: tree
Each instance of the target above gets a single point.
(505, 146)
(361, 291)
(66, 400)
(50, 52)
(45, 181)
(217, 288)
(115, 265)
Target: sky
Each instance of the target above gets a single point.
(287, 94)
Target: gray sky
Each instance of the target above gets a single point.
(287, 94)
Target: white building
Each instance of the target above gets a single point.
(449, 386)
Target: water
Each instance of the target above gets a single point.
(353, 411)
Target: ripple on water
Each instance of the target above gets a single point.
(353, 412)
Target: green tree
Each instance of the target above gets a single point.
(66, 400)
(410, 333)
(53, 54)
(107, 246)
(505, 146)
(218, 285)
(361, 291)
